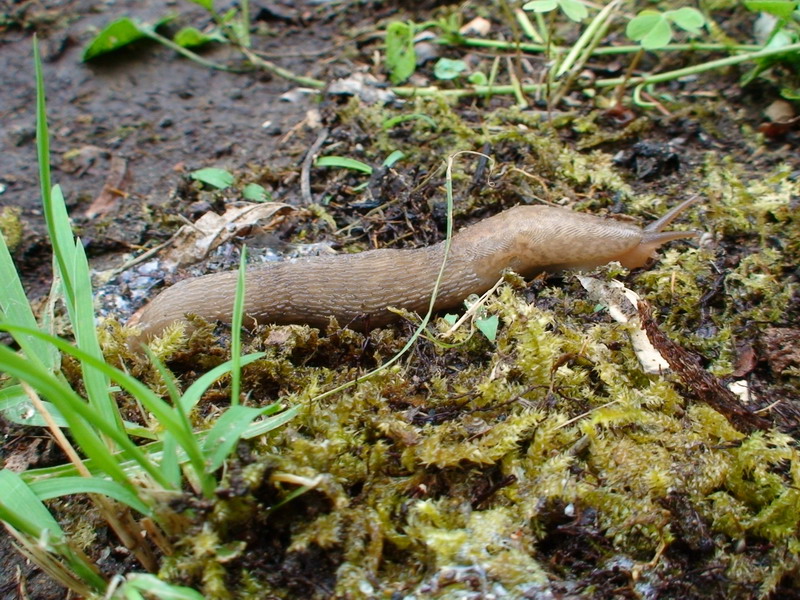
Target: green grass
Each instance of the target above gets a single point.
(122, 466)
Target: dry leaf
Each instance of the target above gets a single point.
(622, 305)
(193, 242)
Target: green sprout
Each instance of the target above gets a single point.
(401, 58)
(575, 10)
(448, 68)
(653, 29)
(215, 177)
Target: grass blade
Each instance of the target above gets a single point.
(21, 509)
(70, 258)
(48, 489)
(195, 391)
(83, 421)
(226, 433)
(176, 436)
(154, 587)
(344, 162)
(14, 307)
(236, 330)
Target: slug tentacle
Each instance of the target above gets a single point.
(653, 237)
(670, 215)
(357, 289)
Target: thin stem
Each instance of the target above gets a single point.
(280, 71)
(526, 25)
(703, 67)
(606, 50)
(188, 53)
(517, 85)
(236, 329)
(628, 74)
(246, 23)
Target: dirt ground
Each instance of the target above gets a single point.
(136, 122)
(137, 118)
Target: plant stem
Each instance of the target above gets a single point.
(187, 53)
(280, 71)
(526, 25)
(606, 50)
(478, 90)
(246, 23)
(702, 68)
(628, 73)
(407, 91)
(517, 85)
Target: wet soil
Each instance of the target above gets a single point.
(136, 119)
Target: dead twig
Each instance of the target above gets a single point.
(308, 161)
(698, 382)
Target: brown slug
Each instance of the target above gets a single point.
(357, 289)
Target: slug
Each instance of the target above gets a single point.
(358, 288)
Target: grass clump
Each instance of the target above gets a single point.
(129, 470)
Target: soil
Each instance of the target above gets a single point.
(142, 107)
(128, 128)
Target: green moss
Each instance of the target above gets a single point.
(399, 490)
(11, 227)
(459, 468)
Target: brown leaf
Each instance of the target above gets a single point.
(114, 188)
(193, 242)
(746, 360)
(782, 348)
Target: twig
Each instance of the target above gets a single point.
(697, 381)
(305, 171)
(143, 256)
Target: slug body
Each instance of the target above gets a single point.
(357, 289)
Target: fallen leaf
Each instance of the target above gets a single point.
(118, 179)
(622, 306)
(192, 243)
(782, 348)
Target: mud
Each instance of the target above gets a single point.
(142, 112)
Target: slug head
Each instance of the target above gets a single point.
(651, 241)
(654, 236)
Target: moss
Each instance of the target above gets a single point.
(459, 469)
(11, 227)
(400, 489)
